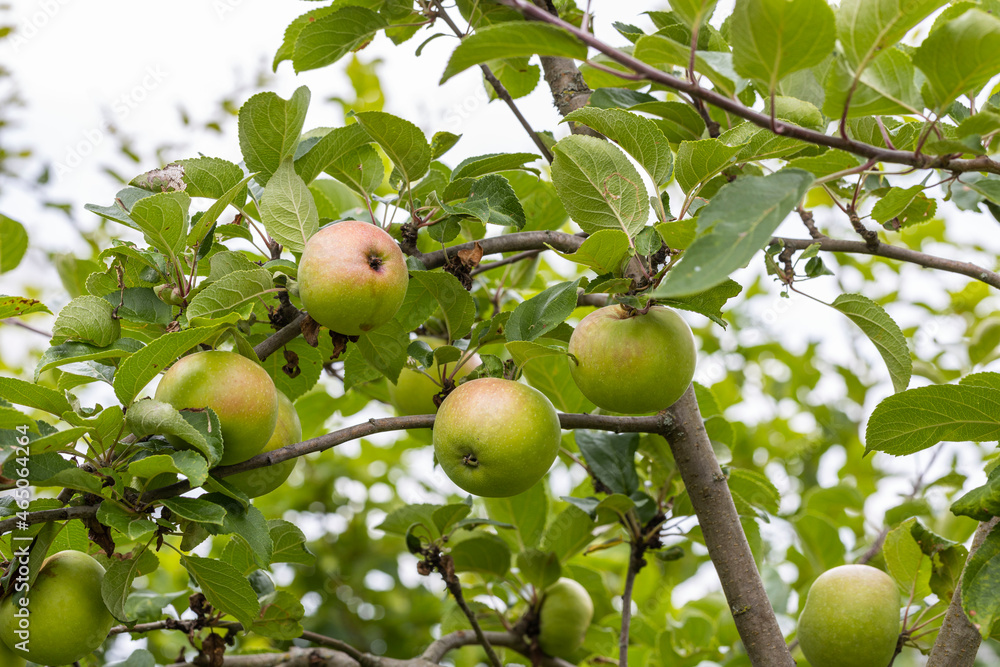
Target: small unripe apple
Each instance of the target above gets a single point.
(850, 618)
(564, 617)
(288, 431)
(169, 294)
(240, 392)
(352, 277)
(496, 438)
(632, 363)
(65, 618)
(413, 393)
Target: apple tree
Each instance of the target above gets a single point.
(294, 296)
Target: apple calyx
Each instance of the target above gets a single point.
(470, 461)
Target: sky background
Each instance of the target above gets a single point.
(78, 65)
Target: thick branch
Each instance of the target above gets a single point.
(46, 516)
(724, 536)
(436, 651)
(958, 640)
(736, 108)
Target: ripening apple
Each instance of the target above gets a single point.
(288, 431)
(352, 277)
(65, 619)
(240, 392)
(565, 614)
(8, 658)
(632, 363)
(496, 438)
(413, 393)
(850, 618)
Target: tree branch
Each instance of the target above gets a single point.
(958, 640)
(447, 570)
(275, 341)
(724, 536)
(635, 563)
(515, 242)
(736, 108)
(501, 91)
(46, 516)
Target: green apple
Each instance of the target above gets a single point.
(632, 364)
(850, 618)
(352, 277)
(413, 393)
(496, 438)
(259, 481)
(65, 618)
(565, 614)
(239, 391)
(8, 658)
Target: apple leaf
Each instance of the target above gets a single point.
(492, 200)
(13, 243)
(201, 429)
(959, 57)
(135, 372)
(287, 209)
(481, 165)
(289, 543)
(527, 512)
(980, 598)
(568, 534)
(68, 353)
(32, 395)
(236, 292)
(269, 129)
(638, 136)
(598, 185)
(543, 312)
(541, 569)
(401, 140)
(185, 462)
(883, 331)
(484, 553)
(87, 319)
(699, 161)
(224, 587)
(116, 585)
(280, 613)
(384, 348)
(16, 306)
(332, 145)
(246, 522)
(773, 38)
(163, 220)
(708, 303)
(196, 509)
(916, 419)
(326, 38)
(361, 169)
(429, 290)
(511, 40)
(732, 227)
(611, 457)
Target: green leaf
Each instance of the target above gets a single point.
(289, 543)
(481, 165)
(599, 186)
(200, 429)
(67, 353)
(13, 243)
(401, 140)
(737, 223)
(224, 587)
(428, 291)
(142, 366)
(638, 136)
(979, 585)
(86, 319)
(715, 66)
(883, 331)
(287, 209)
(611, 457)
(484, 553)
(603, 251)
(269, 129)
(211, 177)
(959, 57)
(773, 38)
(332, 145)
(541, 569)
(196, 509)
(361, 169)
(330, 37)
(35, 396)
(163, 220)
(16, 306)
(708, 303)
(492, 200)
(905, 561)
(190, 464)
(384, 348)
(526, 511)
(981, 503)
(279, 617)
(568, 534)
(245, 521)
(826, 163)
(447, 516)
(543, 312)
(868, 27)
(511, 40)
(238, 292)
(916, 419)
(442, 142)
(693, 12)
(886, 86)
(117, 582)
(755, 488)
(699, 161)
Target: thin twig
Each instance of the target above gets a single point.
(18, 323)
(455, 588)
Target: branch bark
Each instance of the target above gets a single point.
(724, 536)
(911, 158)
(274, 342)
(958, 640)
